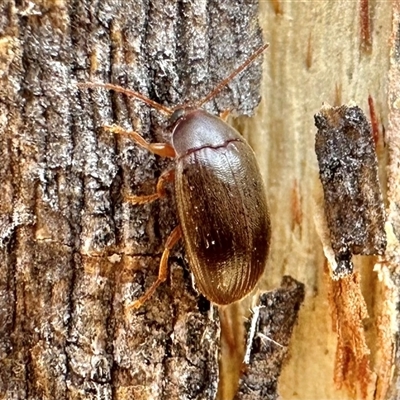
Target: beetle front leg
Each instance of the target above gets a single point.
(166, 176)
(173, 238)
(161, 149)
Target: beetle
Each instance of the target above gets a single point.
(222, 207)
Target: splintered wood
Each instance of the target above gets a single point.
(355, 224)
(348, 171)
(352, 360)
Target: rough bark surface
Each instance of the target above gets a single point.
(278, 312)
(73, 254)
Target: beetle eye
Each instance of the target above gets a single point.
(178, 114)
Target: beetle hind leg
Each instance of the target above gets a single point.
(161, 149)
(166, 176)
(173, 238)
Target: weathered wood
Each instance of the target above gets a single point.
(333, 53)
(268, 345)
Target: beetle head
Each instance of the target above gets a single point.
(178, 115)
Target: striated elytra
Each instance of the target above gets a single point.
(222, 207)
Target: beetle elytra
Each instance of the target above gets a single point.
(222, 207)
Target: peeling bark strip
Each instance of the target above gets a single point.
(352, 360)
(278, 312)
(349, 174)
(72, 253)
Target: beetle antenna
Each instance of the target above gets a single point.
(237, 71)
(128, 92)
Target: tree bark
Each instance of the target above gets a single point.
(74, 254)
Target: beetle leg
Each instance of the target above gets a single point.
(224, 115)
(173, 238)
(161, 149)
(166, 176)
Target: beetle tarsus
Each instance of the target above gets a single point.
(173, 238)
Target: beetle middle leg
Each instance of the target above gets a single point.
(161, 149)
(166, 176)
(173, 238)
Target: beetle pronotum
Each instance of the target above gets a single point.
(222, 208)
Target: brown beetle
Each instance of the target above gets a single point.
(222, 207)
